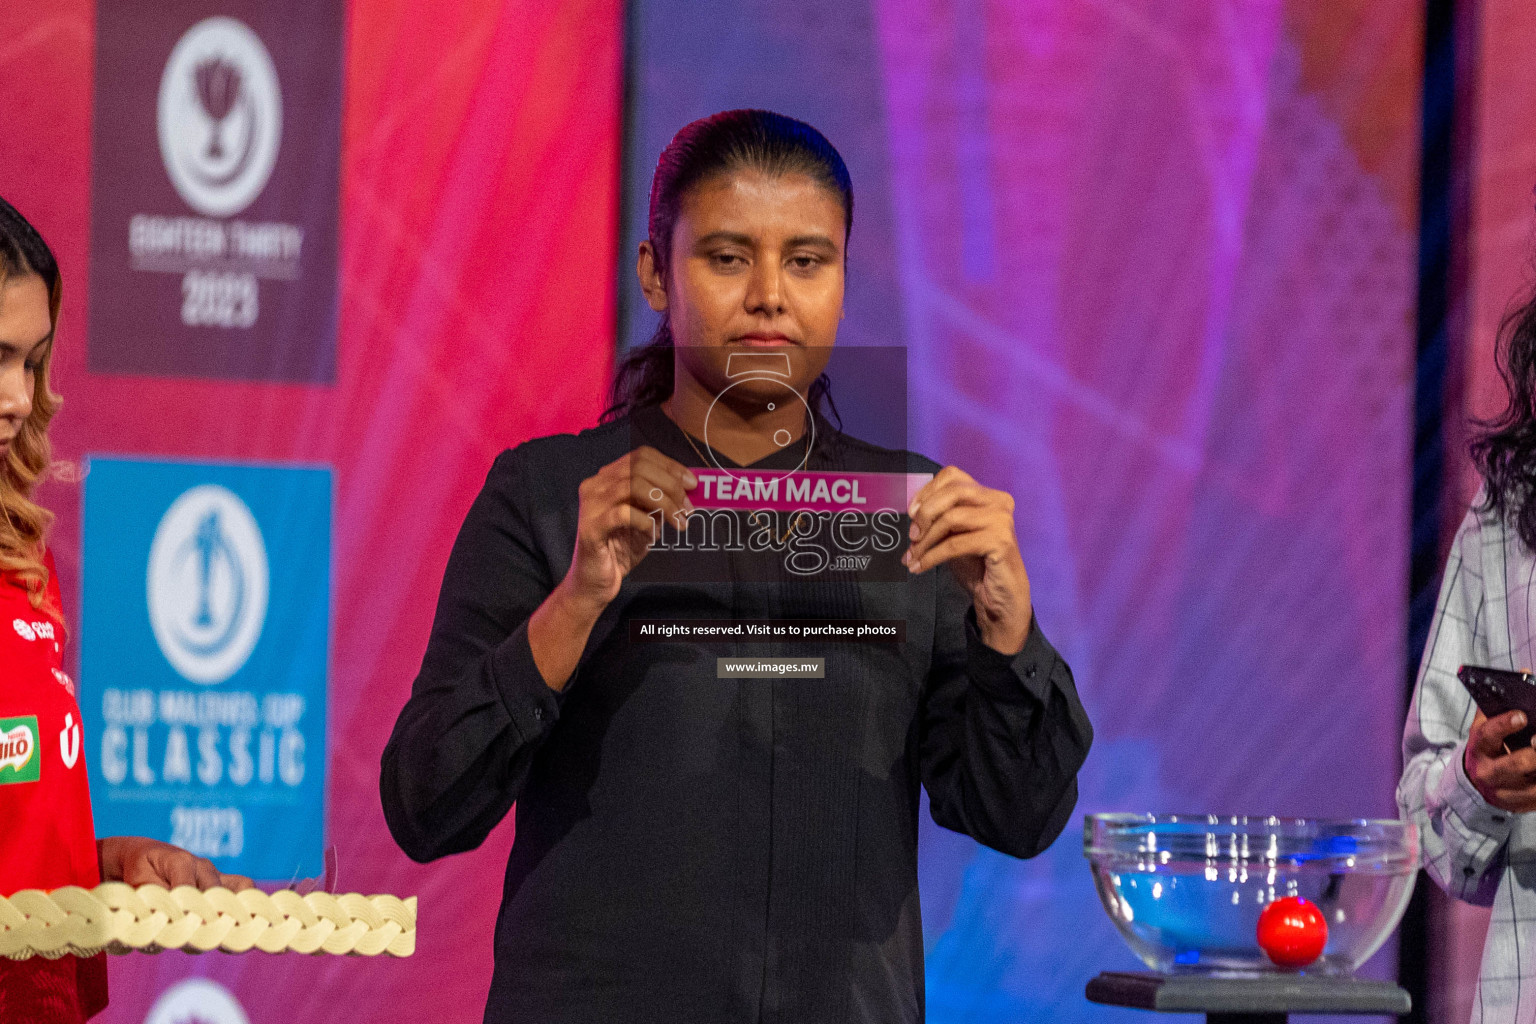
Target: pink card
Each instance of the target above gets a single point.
(805, 490)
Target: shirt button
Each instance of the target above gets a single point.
(1469, 872)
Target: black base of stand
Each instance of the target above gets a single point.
(1263, 999)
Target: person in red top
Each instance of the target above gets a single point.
(46, 836)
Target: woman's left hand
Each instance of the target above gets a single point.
(955, 519)
(140, 861)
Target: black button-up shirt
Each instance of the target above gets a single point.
(692, 848)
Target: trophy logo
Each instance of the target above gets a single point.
(207, 584)
(218, 87)
(220, 116)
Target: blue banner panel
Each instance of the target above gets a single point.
(204, 633)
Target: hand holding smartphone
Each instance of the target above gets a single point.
(1498, 691)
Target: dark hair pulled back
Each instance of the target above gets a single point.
(729, 141)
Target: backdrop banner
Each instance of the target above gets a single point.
(203, 656)
(217, 165)
(473, 309)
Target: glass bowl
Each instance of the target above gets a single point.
(1186, 890)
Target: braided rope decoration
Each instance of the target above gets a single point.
(122, 918)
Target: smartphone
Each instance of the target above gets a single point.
(1498, 690)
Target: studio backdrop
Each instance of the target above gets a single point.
(1152, 262)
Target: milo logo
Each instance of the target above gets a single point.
(19, 760)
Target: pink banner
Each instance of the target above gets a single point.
(806, 490)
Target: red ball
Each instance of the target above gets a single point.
(1292, 932)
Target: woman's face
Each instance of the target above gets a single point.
(25, 333)
(756, 274)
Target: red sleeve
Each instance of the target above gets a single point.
(48, 840)
(69, 990)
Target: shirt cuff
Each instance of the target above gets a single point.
(531, 704)
(1010, 677)
(1463, 799)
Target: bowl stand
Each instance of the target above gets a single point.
(1261, 999)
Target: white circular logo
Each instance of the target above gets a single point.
(769, 374)
(207, 584)
(199, 1000)
(220, 116)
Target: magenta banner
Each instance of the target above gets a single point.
(217, 165)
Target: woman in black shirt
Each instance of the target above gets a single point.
(698, 848)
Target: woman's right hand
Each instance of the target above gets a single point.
(616, 524)
(1506, 780)
(140, 861)
(613, 532)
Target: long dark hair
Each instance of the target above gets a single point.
(24, 523)
(1504, 449)
(724, 142)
